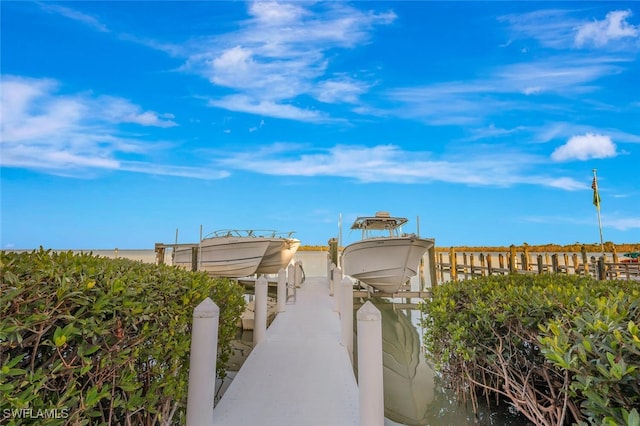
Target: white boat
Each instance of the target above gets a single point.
(384, 262)
(239, 253)
(279, 253)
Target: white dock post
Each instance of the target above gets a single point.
(297, 274)
(346, 315)
(329, 266)
(337, 278)
(370, 381)
(330, 277)
(291, 283)
(282, 290)
(202, 364)
(260, 313)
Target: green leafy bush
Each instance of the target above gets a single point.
(519, 336)
(102, 341)
(600, 347)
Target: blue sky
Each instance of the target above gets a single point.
(124, 121)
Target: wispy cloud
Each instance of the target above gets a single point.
(74, 15)
(565, 130)
(608, 221)
(244, 103)
(44, 129)
(390, 163)
(560, 75)
(622, 223)
(507, 88)
(550, 27)
(491, 131)
(565, 29)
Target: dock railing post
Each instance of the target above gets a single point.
(432, 267)
(346, 315)
(601, 271)
(370, 380)
(260, 315)
(297, 274)
(202, 364)
(453, 264)
(329, 265)
(282, 290)
(330, 276)
(513, 267)
(291, 284)
(337, 278)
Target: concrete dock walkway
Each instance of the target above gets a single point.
(300, 374)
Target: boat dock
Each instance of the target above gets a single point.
(300, 374)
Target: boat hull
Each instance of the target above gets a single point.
(232, 257)
(278, 255)
(385, 263)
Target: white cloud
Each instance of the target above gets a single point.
(70, 134)
(118, 110)
(339, 90)
(568, 184)
(585, 147)
(276, 13)
(613, 28)
(281, 53)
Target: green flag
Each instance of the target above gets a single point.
(596, 197)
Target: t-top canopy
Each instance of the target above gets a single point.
(381, 221)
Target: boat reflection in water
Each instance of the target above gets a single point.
(408, 380)
(413, 394)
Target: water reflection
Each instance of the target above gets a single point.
(413, 393)
(408, 380)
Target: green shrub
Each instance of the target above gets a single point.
(600, 347)
(102, 341)
(496, 335)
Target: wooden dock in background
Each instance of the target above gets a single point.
(453, 265)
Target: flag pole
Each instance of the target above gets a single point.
(596, 202)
